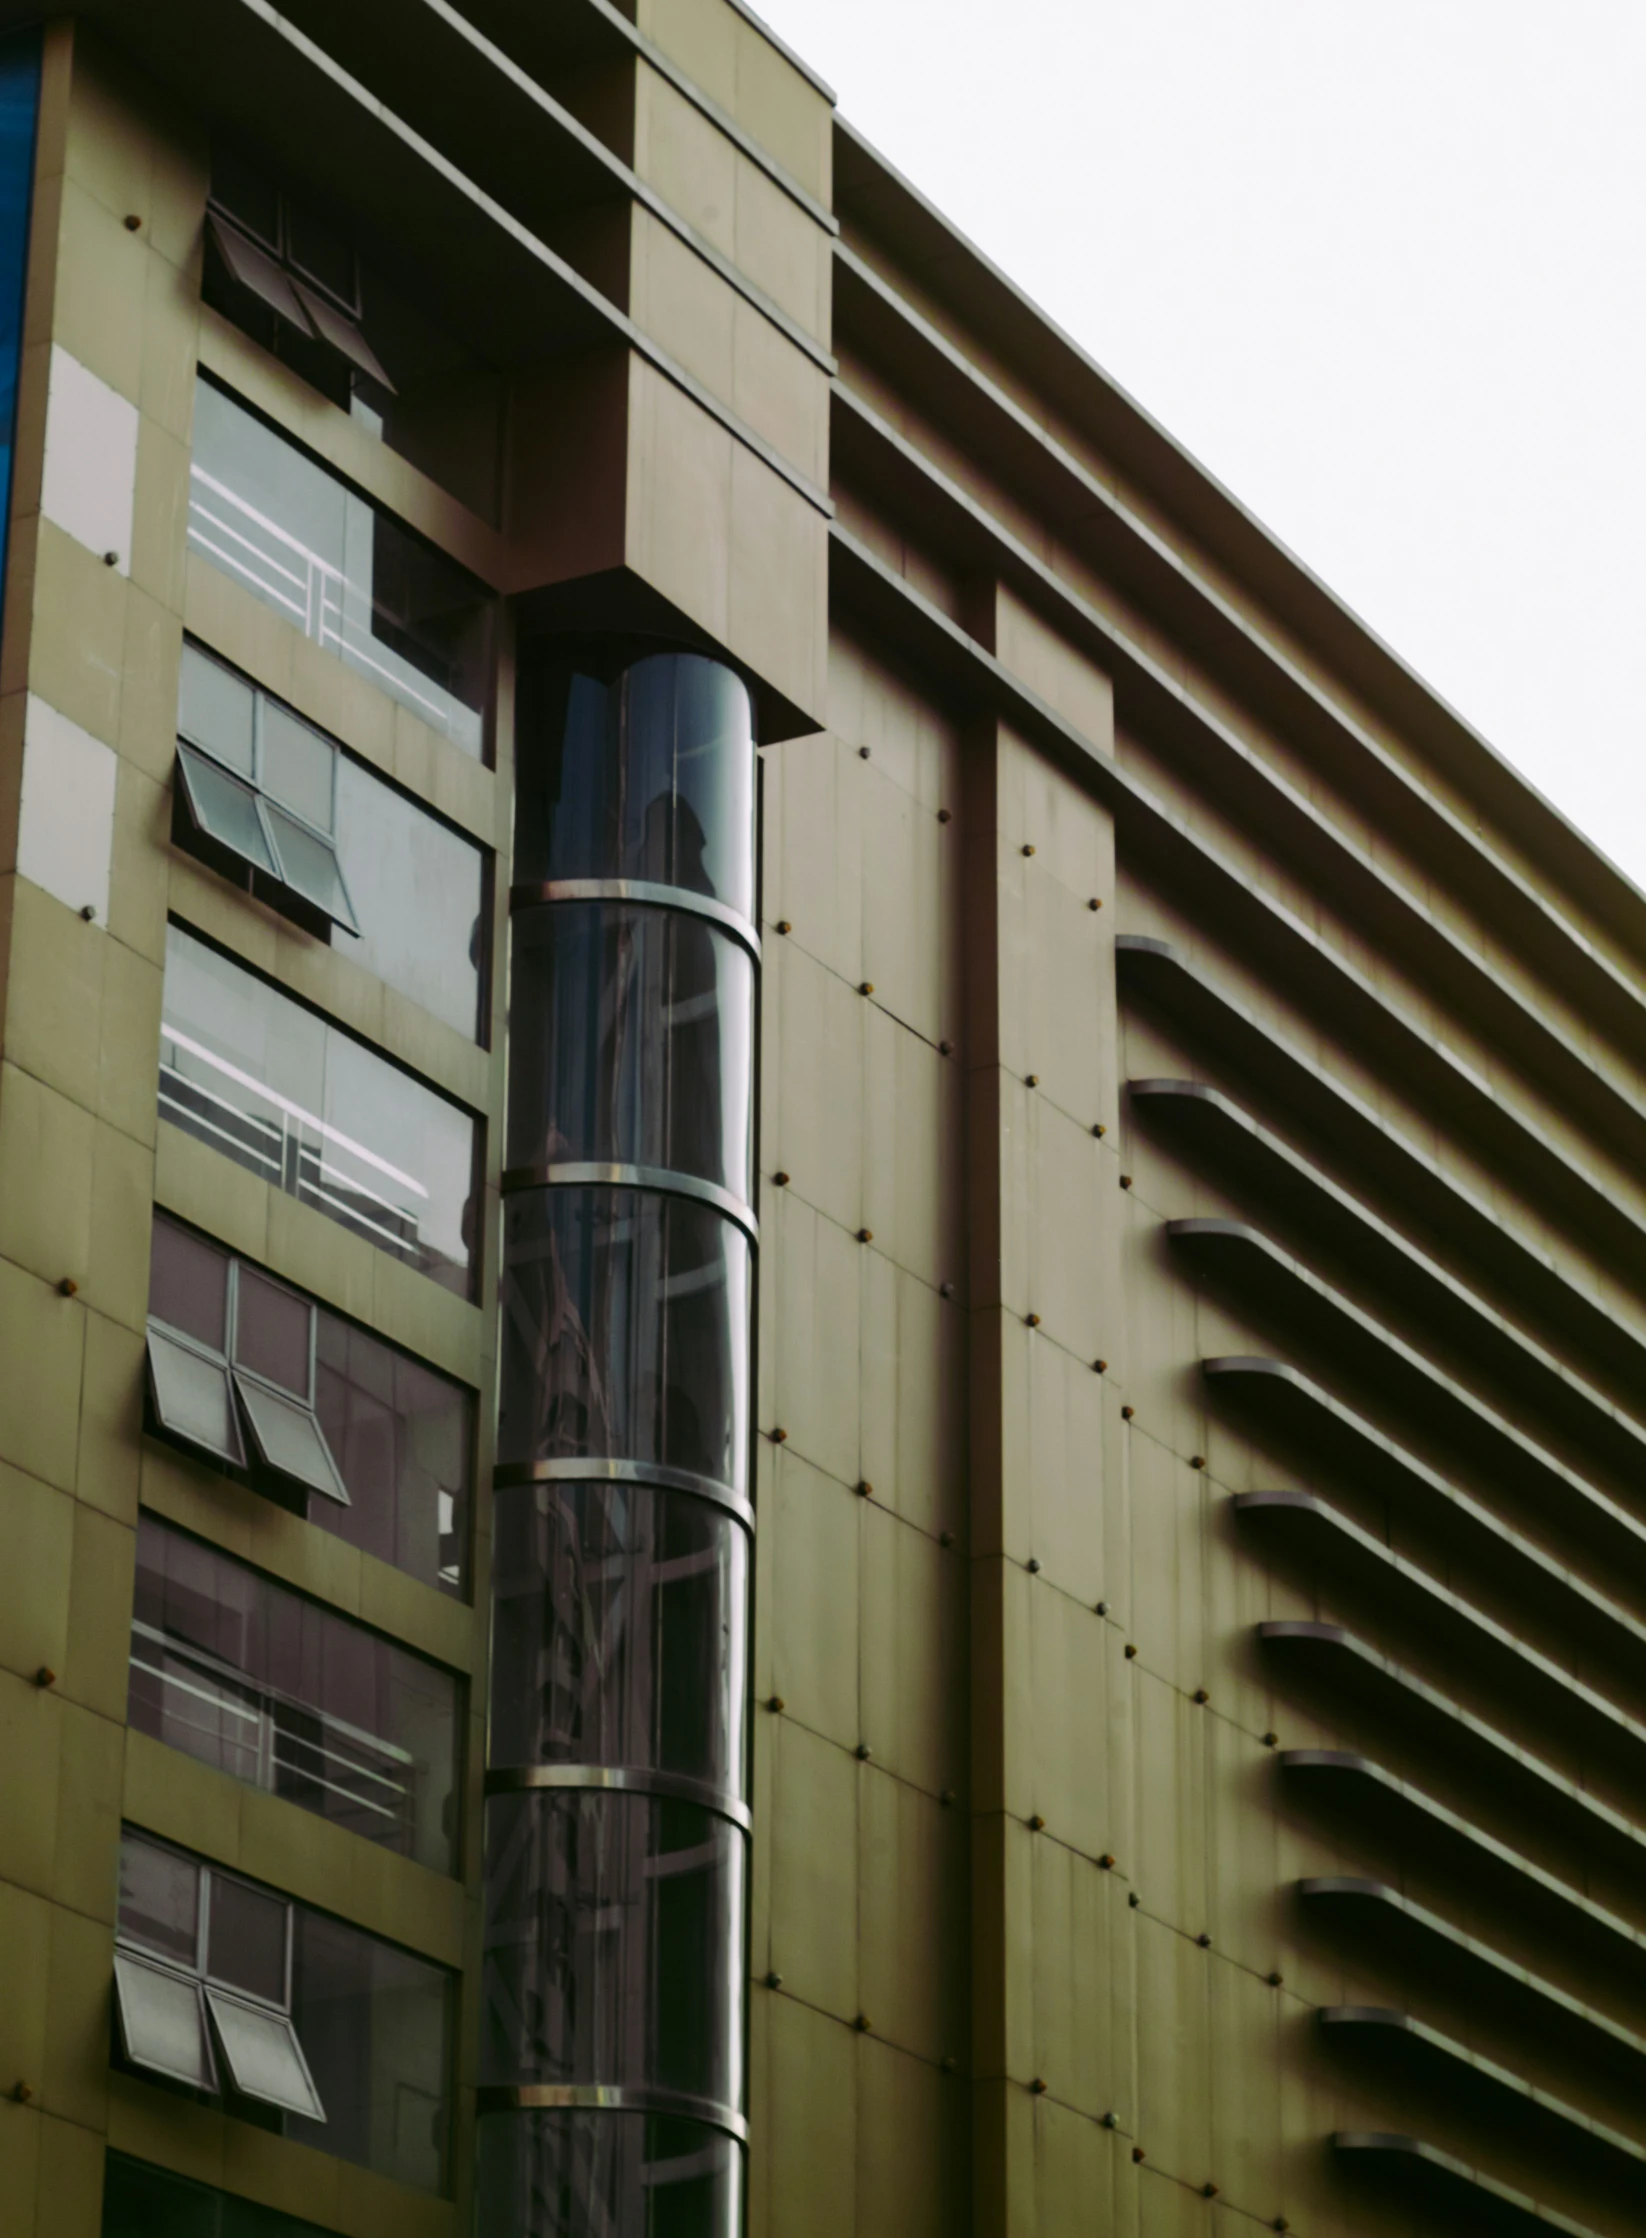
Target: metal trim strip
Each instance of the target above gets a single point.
(507, 1475)
(594, 1174)
(619, 1779)
(645, 892)
(527, 2098)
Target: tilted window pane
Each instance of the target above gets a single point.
(618, 1634)
(225, 810)
(589, 1894)
(647, 772)
(631, 1042)
(288, 1695)
(347, 576)
(316, 1113)
(288, 1439)
(192, 1398)
(578, 2173)
(308, 865)
(162, 2022)
(253, 268)
(216, 708)
(263, 2057)
(624, 1331)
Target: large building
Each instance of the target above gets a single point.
(822, 1249)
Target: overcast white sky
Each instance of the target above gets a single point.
(1379, 264)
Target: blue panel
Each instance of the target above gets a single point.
(19, 108)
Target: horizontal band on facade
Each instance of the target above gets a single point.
(645, 893)
(508, 1476)
(609, 2098)
(618, 1779)
(591, 1174)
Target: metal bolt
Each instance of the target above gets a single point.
(1271, 1740)
(784, 926)
(1130, 1651)
(1126, 1413)
(1100, 1128)
(133, 222)
(89, 912)
(775, 1704)
(68, 1287)
(947, 1797)
(1038, 2086)
(1094, 903)
(1028, 847)
(1197, 1460)
(1280, 2223)
(863, 753)
(1208, 2191)
(21, 2092)
(1138, 2153)
(862, 2024)
(865, 986)
(943, 815)
(864, 1488)
(774, 1981)
(1100, 1367)
(1205, 1941)
(1037, 1825)
(1033, 1319)
(945, 1538)
(1031, 1080)
(780, 1180)
(1275, 1980)
(1134, 1899)
(1106, 1861)
(865, 1235)
(950, 2064)
(1125, 1181)
(1034, 1565)
(1102, 1608)
(1111, 2121)
(780, 1437)
(864, 1752)
(111, 559)
(45, 1676)
(945, 1048)
(945, 1289)
(1201, 1695)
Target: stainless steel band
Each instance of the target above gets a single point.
(629, 1779)
(526, 2098)
(661, 1180)
(579, 1469)
(644, 893)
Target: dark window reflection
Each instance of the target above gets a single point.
(647, 773)
(579, 2174)
(619, 1631)
(631, 1042)
(144, 2202)
(614, 1944)
(625, 1331)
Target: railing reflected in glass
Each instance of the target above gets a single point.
(348, 576)
(243, 1674)
(315, 1113)
(570, 2172)
(625, 1331)
(632, 1043)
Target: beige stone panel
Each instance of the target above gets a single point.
(109, 138)
(912, 1917)
(809, 1621)
(77, 2028)
(96, 1663)
(36, 1557)
(31, 1734)
(160, 515)
(680, 509)
(683, 303)
(172, 1795)
(688, 159)
(117, 1270)
(564, 494)
(910, 2159)
(914, 1167)
(171, 335)
(810, 1369)
(437, 1625)
(782, 249)
(764, 1732)
(374, 2205)
(909, 741)
(1055, 1007)
(54, 994)
(1072, 1774)
(77, 645)
(155, 2125)
(1081, 1986)
(810, 2140)
(777, 604)
(323, 1564)
(47, 1155)
(138, 880)
(147, 734)
(781, 108)
(102, 279)
(42, 1342)
(1068, 2168)
(88, 1812)
(813, 1804)
(1169, 1861)
(1070, 830)
(21, 2131)
(779, 391)
(913, 1653)
(211, 1192)
(1054, 1464)
(905, 873)
(1174, 2048)
(1070, 682)
(1245, 2082)
(701, 37)
(914, 1398)
(816, 1082)
(1064, 1200)
(814, 851)
(25, 1922)
(1168, 1598)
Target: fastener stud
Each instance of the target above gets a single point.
(1038, 2086)
(68, 1287)
(1028, 847)
(864, 1488)
(784, 926)
(1205, 1941)
(1100, 1367)
(774, 1981)
(1031, 1080)
(1201, 1695)
(1033, 1319)
(780, 1437)
(776, 1704)
(1033, 1565)
(1037, 1825)
(862, 2024)
(1106, 1861)
(134, 223)
(780, 1180)
(865, 1235)
(1126, 1413)
(1197, 1460)
(1131, 1650)
(864, 1752)
(45, 1676)
(1094, 903)
(943, 815)
(865, 986)
(945, 1538)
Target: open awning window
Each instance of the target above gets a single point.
(271, 274)
(237, 815)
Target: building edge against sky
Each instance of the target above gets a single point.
(822, 1251)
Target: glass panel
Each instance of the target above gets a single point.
(192, 1399)
(292, 1697)
(344, 335)
(272, 1330)
(418, 891)
(645, 773)
(625, 1331)
(576, 2173)
(374, 2023)
(262, 2056)
(144, 2202)
(216, 708)
(248, 266)
(348, 577)
(162, 2025)
(316, 1113)
(321, 253)
(618, 1630)
(614, 1944)
(189, 1283)
(288, 1439)
(631, 1041)
(159, 1900)
(246, 195)
(403, 1438)
(297, 765)
(246, 1938)
(308, 866)
(224, 810)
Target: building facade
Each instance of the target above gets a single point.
(822, 1250)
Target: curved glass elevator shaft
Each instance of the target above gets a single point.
(612, 2036)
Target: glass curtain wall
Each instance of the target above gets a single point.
(612, 2043)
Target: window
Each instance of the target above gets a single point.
(144, 2202)
(387, 604)
(316, 1113)
(286, 2016)
(270, 800)
(390, 1439)
(276, 1690)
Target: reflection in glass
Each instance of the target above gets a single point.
(574, 2173)
(646, 773)
(278, 1691)
(348, 576)
(144, 2202)
(630, 1042)
(614, 1944)
(618, 1630)
(625, 1331)
(315, 1112)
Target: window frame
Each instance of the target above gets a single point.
(348, 312)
